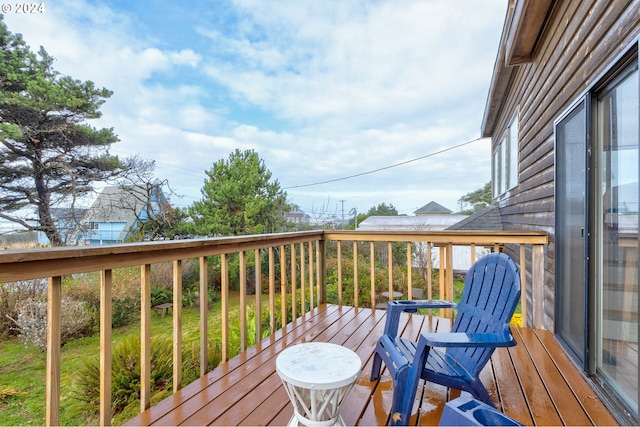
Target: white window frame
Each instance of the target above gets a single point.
(505, 160)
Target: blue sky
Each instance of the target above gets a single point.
(322, 90)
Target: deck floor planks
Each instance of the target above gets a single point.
(247, 391)
(512, 398)
(248, 380)
(597, 412)
(160, 413)
(571, 412)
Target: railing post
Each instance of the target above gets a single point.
(321, 265)
(145, 337)
(105, 347)
(537, 286)
(54, 319)
(523, 286)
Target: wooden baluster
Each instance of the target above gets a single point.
(355, 274)
(339, 250)
(145, 337)
(105, 346)
(177, 325)
(283, 286)
(204, 317)
(473, 253)
(272, 291)
(429, 272)
(372, 274)
(303, 282)
(54, 319)
(450, 292)
(409, 268)
(224, 299)
(294, 285)
(321, 272)
(311, 295)
(258, 279)
(390, 269)
(243, 300)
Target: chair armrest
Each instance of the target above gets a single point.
(413, 305)
(461, 339)
(394, 308)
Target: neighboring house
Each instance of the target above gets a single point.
(297, 215)
(564, 117)
(67, 221)
(424, 222)
(116, 212)
(432, 208)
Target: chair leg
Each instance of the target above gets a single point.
(404, 393)
(481, 393)
(377, 366)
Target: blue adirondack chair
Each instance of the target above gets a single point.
(490, 296)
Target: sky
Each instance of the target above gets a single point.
(349, 103)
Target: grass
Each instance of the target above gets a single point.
(23, 369)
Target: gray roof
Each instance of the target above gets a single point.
(432, 208)
(487, 218)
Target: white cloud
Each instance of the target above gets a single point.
(322, 90)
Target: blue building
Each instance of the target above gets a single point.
(111, 218)
(118, 210)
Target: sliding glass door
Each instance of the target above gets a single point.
(616, 236)
(597, 232)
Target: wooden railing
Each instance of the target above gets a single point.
(302, 270)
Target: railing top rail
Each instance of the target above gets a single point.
(454, 236)
(27, 264)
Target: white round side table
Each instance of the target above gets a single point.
(317, 377)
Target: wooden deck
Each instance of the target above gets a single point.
(534, 382)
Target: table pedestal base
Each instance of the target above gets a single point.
(316, 407)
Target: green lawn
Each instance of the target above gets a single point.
(23, 369)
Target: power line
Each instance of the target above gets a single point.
(386, 167)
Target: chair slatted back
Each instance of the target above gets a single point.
(490, 296)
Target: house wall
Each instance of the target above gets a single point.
(580, 40)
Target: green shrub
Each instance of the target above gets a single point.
(124, 311)
(160, 295)
(125, 375)
(77, 321)
(13, 293)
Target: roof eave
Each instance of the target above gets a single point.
(524, 22)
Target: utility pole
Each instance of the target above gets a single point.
(342, 223)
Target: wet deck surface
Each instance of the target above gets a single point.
(534, 382)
